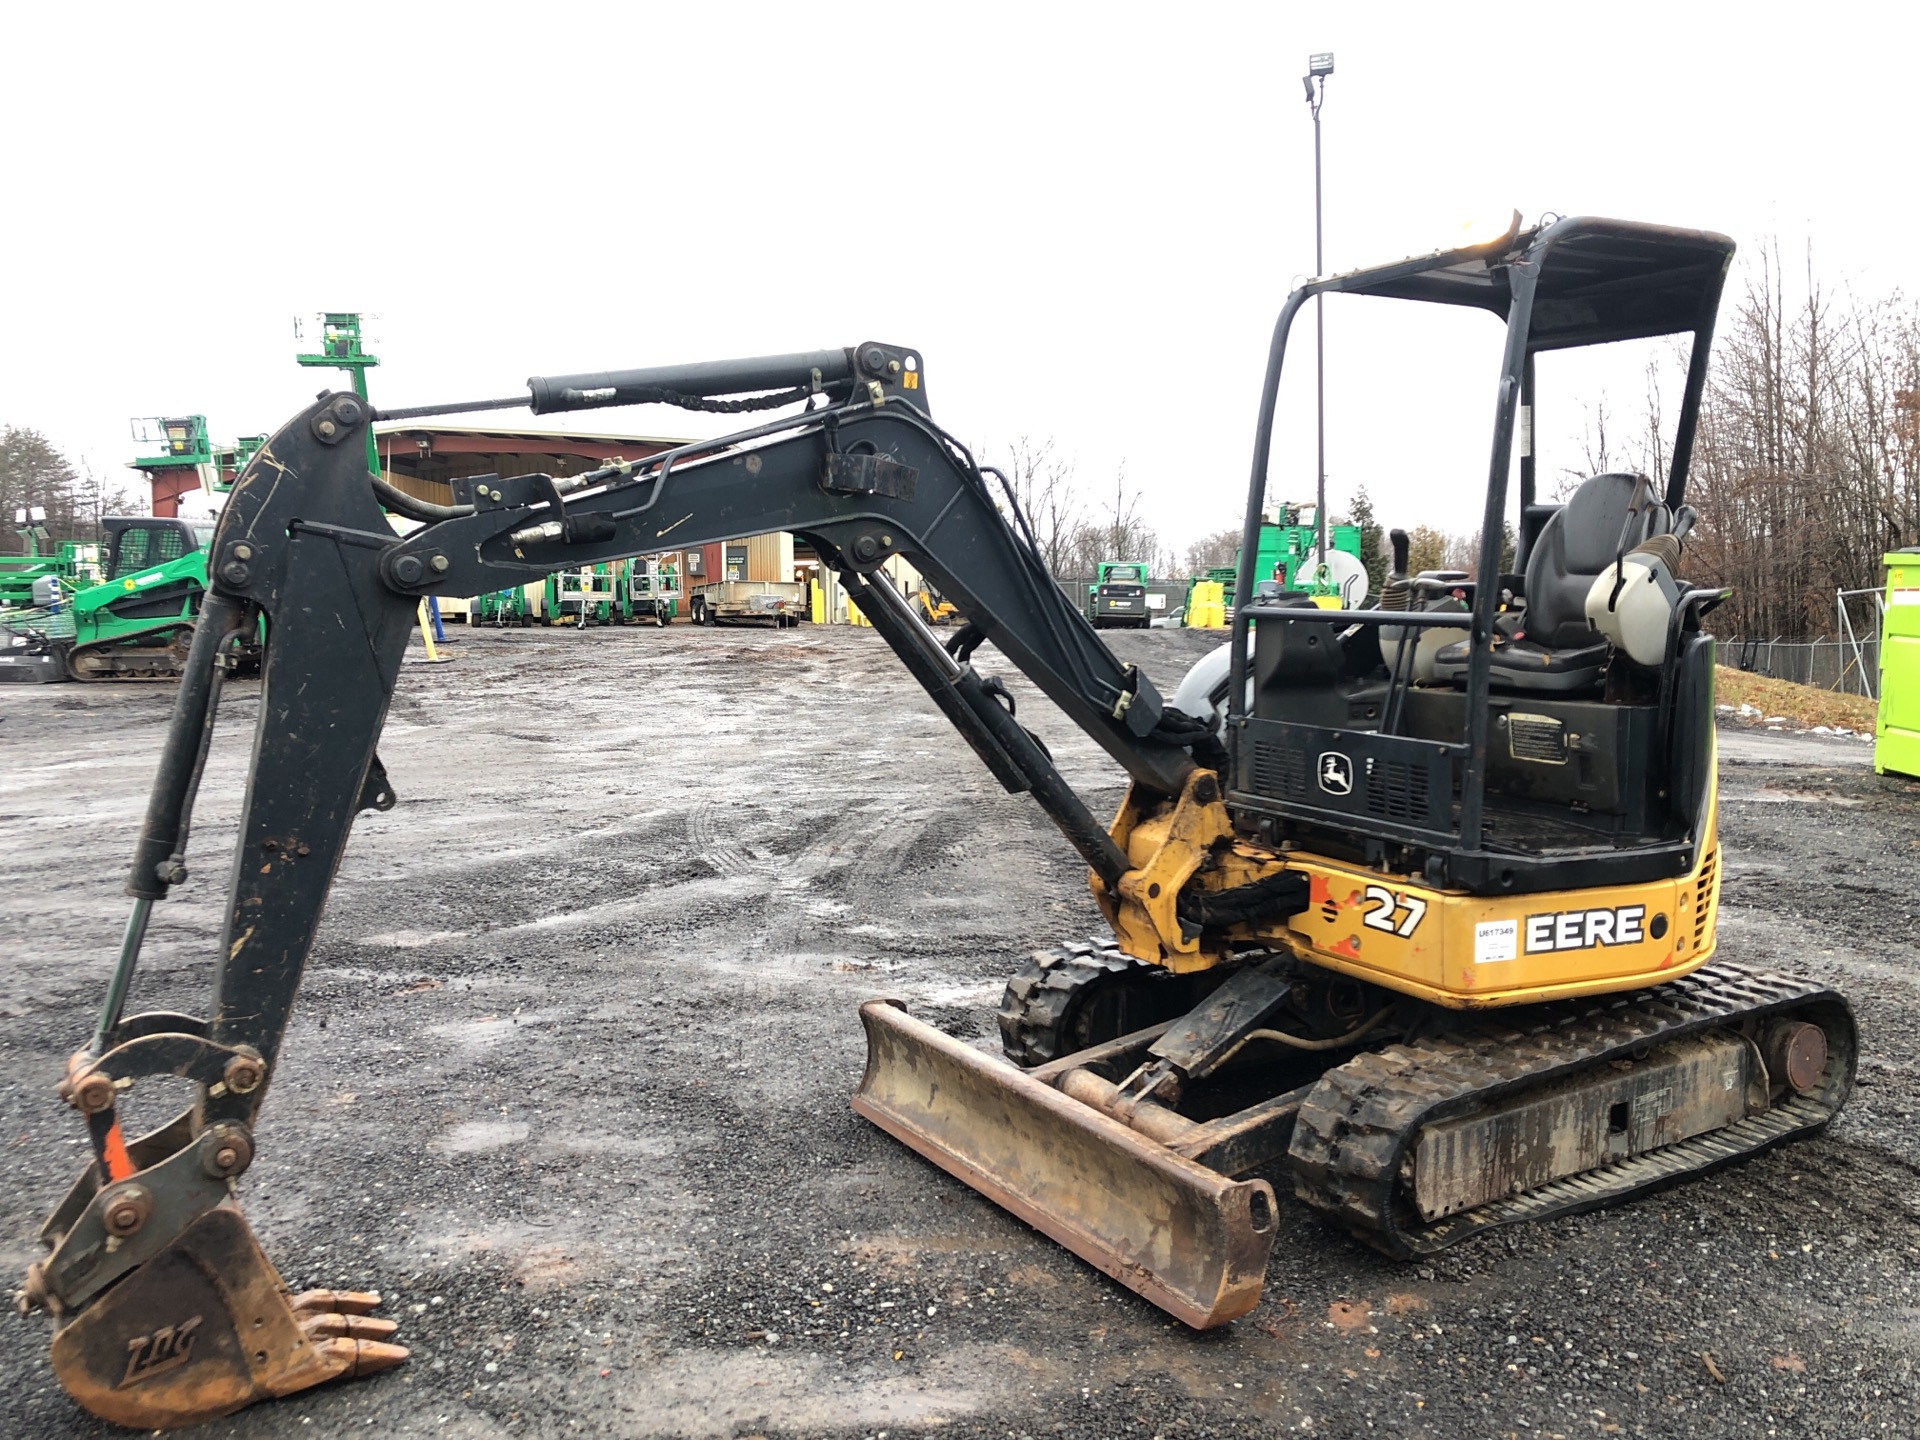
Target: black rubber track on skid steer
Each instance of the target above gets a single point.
(1357, 1127)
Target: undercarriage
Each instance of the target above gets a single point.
(1409, 1126)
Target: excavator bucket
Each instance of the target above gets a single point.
(206, 1327)
(1193, 1242)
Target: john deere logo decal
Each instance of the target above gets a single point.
(1336, 773)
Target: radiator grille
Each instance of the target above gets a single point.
(1703, 898)
(1397, 791)
(1280, 771)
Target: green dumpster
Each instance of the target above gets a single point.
(1896, 746)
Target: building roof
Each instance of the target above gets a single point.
(423, 459)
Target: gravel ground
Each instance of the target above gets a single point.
(568, 1083)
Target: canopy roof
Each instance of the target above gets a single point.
(1599, 280)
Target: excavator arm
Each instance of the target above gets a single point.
(865, 479)
(168, 1311)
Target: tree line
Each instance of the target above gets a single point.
(1075, 529)
(35, 474)
(1806, 466)
(1805, 469)
(1806, 460)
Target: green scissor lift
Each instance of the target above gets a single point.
(73, 563)
(1896, 741)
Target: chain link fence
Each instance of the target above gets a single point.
(1846, 665)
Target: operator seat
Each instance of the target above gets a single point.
(1556, 649)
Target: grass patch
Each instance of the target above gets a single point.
(1802, 706)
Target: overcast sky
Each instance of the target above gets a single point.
(1085, 217)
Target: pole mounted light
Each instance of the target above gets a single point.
(1319, 67)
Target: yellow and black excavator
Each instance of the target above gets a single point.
(1412, 905)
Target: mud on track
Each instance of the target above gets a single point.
(568, 1082)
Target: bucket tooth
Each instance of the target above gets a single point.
(332, 1325)
(1192, 1241)
(206, 1327)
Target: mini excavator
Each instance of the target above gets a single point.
(1412, 905)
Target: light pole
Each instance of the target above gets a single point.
(1319, 67)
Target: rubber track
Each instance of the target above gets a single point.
(169, 671)
(1040, 1000)
(1359, 1123)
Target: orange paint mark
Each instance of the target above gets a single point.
(114, 1151)
(1348, 1316)
(1319, 889)
(1348, 946)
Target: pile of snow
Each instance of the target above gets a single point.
(1752, 713)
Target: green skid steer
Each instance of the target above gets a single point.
(136, 625)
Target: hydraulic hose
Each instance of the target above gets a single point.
(412, 506)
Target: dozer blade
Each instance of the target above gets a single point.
(1193, 1242)
(206, 1327)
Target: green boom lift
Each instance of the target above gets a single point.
(1288, 541)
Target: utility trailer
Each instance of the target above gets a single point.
(782, 602)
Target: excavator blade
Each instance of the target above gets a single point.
(1192, 1241)
(206, 1327)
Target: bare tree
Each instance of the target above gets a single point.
(1595, 457)
(1213, 551)
(1128, 536)
(1042, 482)
(1806, 461)
(1804, 469)
(1117, 532)
(1462, 552)
(1654, 457)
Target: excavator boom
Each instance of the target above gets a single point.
(150, 1227)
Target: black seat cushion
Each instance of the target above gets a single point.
(1557, 650)
(1522, 665)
